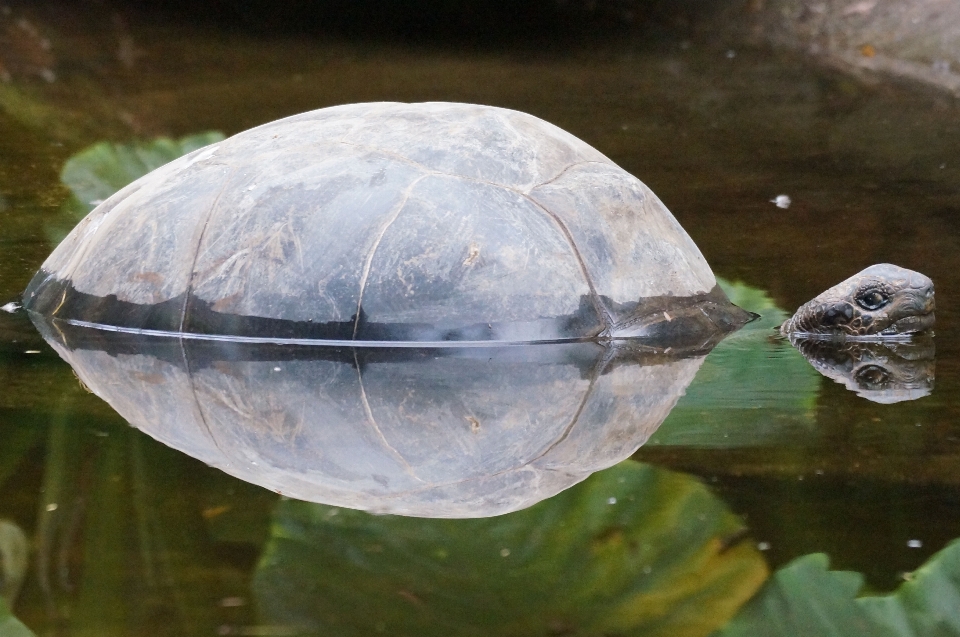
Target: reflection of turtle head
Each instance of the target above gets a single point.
(882, 301)
(882, 372)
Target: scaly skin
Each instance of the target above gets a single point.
(883, 301)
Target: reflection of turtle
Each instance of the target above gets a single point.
(880, 302)
(435, 432)
(389, 222)
(882, 372)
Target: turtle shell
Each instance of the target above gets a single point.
(384, 222)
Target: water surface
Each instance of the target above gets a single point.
(762, 458)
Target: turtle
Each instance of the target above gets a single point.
(412, 224)
(883, 301)
(389, 223)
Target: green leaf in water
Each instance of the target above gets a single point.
(753, 389)
(804, 598)
(928, 605)
(14, 559)
(95, 173)
(10, 626)
(632, 550)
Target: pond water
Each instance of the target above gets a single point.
(107, 531)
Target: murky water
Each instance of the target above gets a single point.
(761, 462)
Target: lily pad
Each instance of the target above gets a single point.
(95, 173)
(632, 550)
(805, 598)
(10, 626)
(753, 389)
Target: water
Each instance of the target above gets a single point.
(129, 536)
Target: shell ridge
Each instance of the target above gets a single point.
(196, 401)
(602, 312)
(373, 422)
(369, 260)
(196, 254)
(115, 200)
(563, 172)
(597, 370)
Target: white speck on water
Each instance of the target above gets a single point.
(781, 201)
(731, 54)
(52, 507)
(942, 166)
(819, 472)
(611, 500)
(647, 569)
(32, 351)
(10, 308)
(251, 187)
(276, 369)
(763, 546)
(914, 544)
(504, 552)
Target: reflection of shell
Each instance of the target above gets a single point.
(439, 433)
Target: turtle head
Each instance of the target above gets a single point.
(880, 302)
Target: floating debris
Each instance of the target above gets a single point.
(781, 201)
(10, 308)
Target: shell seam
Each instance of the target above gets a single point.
(602, 312)
(373, 421)
(196, 254)
(369, 261)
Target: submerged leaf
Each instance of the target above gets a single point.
(928, 605)
(96, 172)
(633, 550)
(10, 626)
(804, 598)
(753, 388)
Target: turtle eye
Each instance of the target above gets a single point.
(872, 376)
(872, 299)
